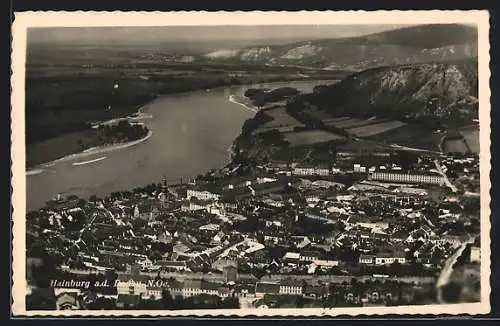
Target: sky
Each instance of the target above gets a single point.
(129, 35)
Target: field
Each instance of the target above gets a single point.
(335, 120)
(318, 114)
(374, 129)
(346, 122)
(310, 137)
(455, 146)
(281, 121)
(409, 135)
(471, 137)
(363, 146)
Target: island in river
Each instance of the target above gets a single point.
(101, 137)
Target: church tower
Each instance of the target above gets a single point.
(164, 186)
(164, 189)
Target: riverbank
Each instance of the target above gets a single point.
(88, 152)
(236, 100)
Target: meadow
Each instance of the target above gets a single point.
(310, 137)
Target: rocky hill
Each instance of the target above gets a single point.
(444, 91)
(426, 43)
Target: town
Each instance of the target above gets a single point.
(358, 229)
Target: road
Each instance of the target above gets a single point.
(446, 180)
(444, 277)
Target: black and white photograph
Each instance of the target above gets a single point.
(257, 163)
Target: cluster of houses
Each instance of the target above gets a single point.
(380, 216)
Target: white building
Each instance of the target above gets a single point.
(290, 287)
(397, 176)
(366, 259)
(475, 254)
(304, 170)
(385, 259)
(202, 194)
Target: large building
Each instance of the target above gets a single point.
(406, 177)
(202, 194)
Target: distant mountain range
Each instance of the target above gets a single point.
(416, 44)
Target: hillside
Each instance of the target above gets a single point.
(444, 91)
(408, 105)
(418, 44)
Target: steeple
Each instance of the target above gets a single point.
(164, 184)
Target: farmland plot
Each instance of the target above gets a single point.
(310, 137)
(282, 121)
(374, 129)
(471, 137)
(455, 146)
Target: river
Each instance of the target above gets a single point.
(191, 134)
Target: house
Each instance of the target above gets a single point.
(198, 287)
(406, 177)
(164, 237)
(303, 243)
(263, 288)
(291, 256)
(304, 170)
(290, 287)
(475, 254)
(366, 259)
(203, 194)
(224, 292)
(322, 170)
(272, 238)
(176, 265)
(194, 205)
(218, 238)
(309, 255)
(385, 258)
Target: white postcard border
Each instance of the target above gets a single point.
(25, 20)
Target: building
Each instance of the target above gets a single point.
(322, 170)
(309, 255)
(310, 170)
(291, 256)
(358, 168)
(366, 259)
(389, 258)
(304, 170)
(475, 254)
(201, 194)
(290, 287)
(174, 265)
(132, 284)
(402, 177)
(197, 287)
(263, 288)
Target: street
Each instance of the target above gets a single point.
(444, 277)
